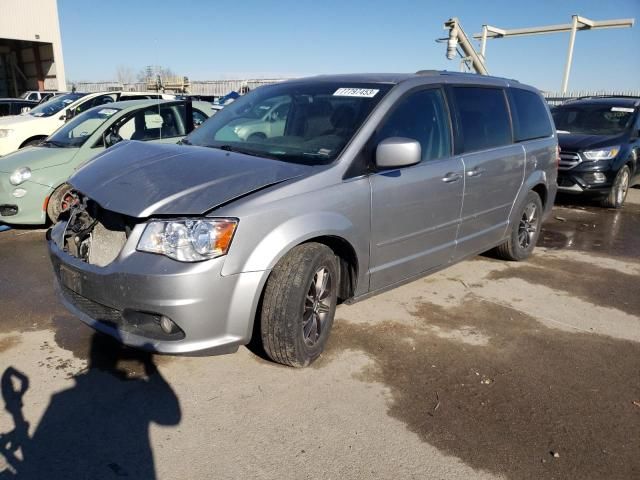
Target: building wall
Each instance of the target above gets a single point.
(36, 21)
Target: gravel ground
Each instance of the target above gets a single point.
(484, 370)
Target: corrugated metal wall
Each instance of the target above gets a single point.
(208, 87)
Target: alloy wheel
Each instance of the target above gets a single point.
(528, 227)
(317, 306)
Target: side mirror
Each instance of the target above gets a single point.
(396, 152)
(68, 115)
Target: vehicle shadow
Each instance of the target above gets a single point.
(99, 428)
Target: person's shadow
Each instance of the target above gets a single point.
(97, 429)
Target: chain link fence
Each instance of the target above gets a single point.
(557, 98)
(197, 87)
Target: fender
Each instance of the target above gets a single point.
(273, 246)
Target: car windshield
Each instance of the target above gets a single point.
(76, 132)
(53, 106)
(592, 119)
(24, 95)
(308, 122)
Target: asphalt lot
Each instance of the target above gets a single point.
(484, 370)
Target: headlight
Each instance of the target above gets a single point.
(188, 240)
(5, 132)
(21, 175)
(601, 154)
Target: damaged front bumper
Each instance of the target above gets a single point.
(128, 298)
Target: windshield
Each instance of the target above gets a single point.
(76, 132)
(306, 122)
(24, 95)
(592, 119)
(53, 106)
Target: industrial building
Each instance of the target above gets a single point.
(30, 47)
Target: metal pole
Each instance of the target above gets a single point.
(483, 43)
(572, 41)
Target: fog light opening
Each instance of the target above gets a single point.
(167, 325)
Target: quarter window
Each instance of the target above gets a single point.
(530, 116)
(421, 116)
(484, 117)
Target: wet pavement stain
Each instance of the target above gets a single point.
(597, 285)
(9, 342)
(579, 224)
(505, 407)
(27, 299)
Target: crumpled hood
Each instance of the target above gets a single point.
(578, 141)
(36, 158)
(141, 179)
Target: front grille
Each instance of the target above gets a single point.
(93, 309)
(569, 160)
(138, 323)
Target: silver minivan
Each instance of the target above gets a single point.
(370, 181)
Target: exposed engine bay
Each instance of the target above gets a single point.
(93, 234)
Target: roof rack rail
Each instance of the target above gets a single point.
(606, 96)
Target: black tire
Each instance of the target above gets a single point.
(618, 193)
(55, 206)
(33, 142)
(525, 231)
(256, 137)
(286, 337)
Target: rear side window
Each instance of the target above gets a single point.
(530, 118)
(421, 116)
(484, 117)
(4, 109)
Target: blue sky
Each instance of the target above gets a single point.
(213, 39)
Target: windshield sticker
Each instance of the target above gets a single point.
(356, 92)
(67, 101)
(107, 111)
(563, 131)
(38, 114)
(622, 109)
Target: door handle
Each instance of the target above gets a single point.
(475, 172)
(451, 177)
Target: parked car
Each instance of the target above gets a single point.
(375, 180)
(41, 121)
(32, 180)
(37, 96)
(14, 106)
(600, 145)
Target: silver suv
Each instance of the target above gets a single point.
(372, 181)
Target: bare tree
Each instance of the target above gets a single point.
(124, 74)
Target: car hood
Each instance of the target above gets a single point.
(142, 180)
(18, 121)
(36, 158)
(580, 141)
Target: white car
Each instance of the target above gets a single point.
(34, 126)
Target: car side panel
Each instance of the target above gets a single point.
(489, 196)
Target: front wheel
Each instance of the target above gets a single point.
(618, 193)
(299, 304)
(59, 201)
(524, 231)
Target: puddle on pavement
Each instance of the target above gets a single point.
(505, 406)
(599, 286)
(582, 225)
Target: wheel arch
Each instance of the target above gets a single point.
(32, 138)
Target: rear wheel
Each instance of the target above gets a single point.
(524, 231)
(618, 193)
(299, 304)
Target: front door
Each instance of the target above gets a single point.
(415, 211)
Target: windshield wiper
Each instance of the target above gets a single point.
(53, 143)
(253, 153)
(184, 141)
